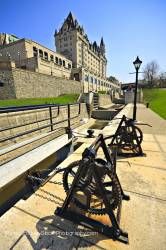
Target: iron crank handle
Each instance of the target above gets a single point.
(146, 124)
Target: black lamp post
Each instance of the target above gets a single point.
(137, 64)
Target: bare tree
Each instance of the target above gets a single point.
(162, 80)
(150, 72)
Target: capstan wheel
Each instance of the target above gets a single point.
(87, 194)
(126, 138)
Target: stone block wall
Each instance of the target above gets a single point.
(32, 119)
(129, 96)
(7, 88)
(20, 83)
(104, 100)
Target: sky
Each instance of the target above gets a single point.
(129, 27)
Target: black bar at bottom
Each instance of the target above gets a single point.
(92, 224)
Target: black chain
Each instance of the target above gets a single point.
(42, 180)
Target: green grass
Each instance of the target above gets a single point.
(63, 99)
(103, 92)
(157, 100)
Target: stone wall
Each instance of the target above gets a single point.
(129, 96)
(7, 88)
(104, 100)
(35, 119)
(20, 83)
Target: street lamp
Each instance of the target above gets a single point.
(137, 64)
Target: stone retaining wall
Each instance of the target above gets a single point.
(18, 83)
(7, 88)
(104, 100)
(38, 118)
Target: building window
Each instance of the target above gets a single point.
(56, 60)
(60, 61)
(65, 38)
(86, 78)
(35, 52)
(69, 66)
(51, 58)
(91, 79)
(63, 63)
(95, 80)
(45, 55)
(40, 53)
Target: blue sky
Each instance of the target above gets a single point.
(129, 27)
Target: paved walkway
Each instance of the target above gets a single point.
(148, 116)
(31, 224)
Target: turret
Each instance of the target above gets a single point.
(70, 20)
(102, 47)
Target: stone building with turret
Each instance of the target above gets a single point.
(89, 60)
(76, 58)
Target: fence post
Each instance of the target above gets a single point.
(50, 111)
(69, 123)
(79, 108)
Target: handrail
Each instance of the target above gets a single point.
(31, 107)
(51, 124)
(30, 123)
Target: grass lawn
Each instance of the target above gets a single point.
(63, 99)
(157, 100)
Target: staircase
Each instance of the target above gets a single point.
(95, 101)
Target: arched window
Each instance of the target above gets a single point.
(56, 60)
(86, 78)
(51, 58)
(35, 51)
(40, 53)
(60, 61)
(69, 66)
(45, 55)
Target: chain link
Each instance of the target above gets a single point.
(42, 180)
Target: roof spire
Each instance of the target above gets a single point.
(70, 20)
(102, 47)
(102, 42)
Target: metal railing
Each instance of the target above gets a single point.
(50, 119)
